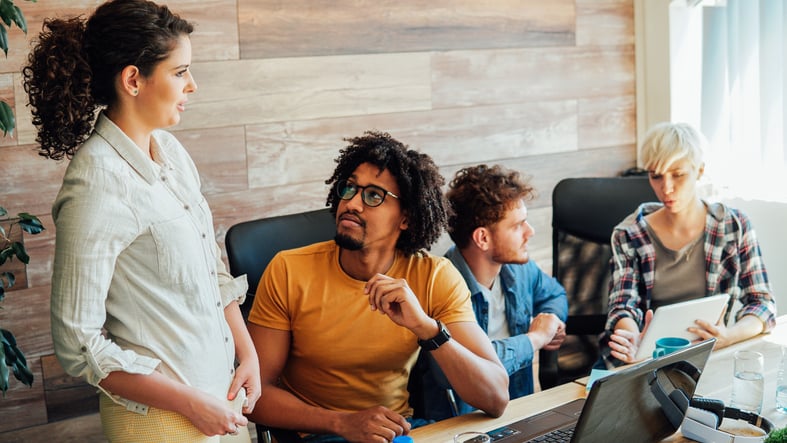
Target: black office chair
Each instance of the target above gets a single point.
(252, 244)
(250, 247)
(584, 213)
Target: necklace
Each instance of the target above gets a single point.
(691, 247)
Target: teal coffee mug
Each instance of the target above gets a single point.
(667, 345)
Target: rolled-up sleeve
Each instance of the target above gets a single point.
(86, 251)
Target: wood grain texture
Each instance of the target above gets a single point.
(271, 28)
(220, 157)
(606, 121)
(300, 151)
(472, 78)
(66, 396)
(259, 91)
(605, 22)
(26, 314)
(23, 406)
(28, 182)
(83, 429)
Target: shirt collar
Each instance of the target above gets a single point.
(453, 254)
(130, 152)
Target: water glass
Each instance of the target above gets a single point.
(748, 381)
(472, 437)
(781, 383)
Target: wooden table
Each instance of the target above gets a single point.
(716, 382)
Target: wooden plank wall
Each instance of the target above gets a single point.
(546, 87)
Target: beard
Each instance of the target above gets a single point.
(347, 242)
(510, 257)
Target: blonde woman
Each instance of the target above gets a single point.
(683, 248)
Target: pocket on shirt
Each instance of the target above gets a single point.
(180, 257)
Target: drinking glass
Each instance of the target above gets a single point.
(748, 381)
(472, 437)
(781, 383)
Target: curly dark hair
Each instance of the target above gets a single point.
(416, 175)
(480, 196)
(70, 72)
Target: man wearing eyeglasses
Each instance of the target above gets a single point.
(338, 325)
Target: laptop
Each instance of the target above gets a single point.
(620, 407)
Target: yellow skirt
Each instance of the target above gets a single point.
(121, 425)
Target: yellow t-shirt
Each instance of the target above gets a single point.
(344, 356)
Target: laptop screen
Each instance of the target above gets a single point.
(625, 406)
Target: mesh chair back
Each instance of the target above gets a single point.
(584, 213)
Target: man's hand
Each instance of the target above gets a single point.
(543, 329)
(394, 298)
(378, 424)
(558, 339)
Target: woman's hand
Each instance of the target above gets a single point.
(247, 376)
(624, 341)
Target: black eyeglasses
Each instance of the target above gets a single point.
(370, 195)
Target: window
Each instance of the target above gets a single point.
(727, 77)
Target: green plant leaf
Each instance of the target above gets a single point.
(6, 254)
(4, 40)
(19, 19)
(19, 251)
(7, 120)
(3, 212)
(30, 223)
(7, 11)
(3, 372)
(15, 359)
(7, 279)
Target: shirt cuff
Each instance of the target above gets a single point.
(234, 290)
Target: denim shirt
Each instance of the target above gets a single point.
(528, 291)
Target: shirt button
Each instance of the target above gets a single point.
(186, 207)
(212, 272)
(163, 178)
(84, 349)
(226, 340)
(232, 371)
(204, 235)
(218, 303)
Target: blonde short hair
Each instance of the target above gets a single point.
(666, 142)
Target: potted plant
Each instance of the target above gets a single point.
(10, 14)
(11, 248)
(10, 355)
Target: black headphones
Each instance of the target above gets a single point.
(702, 415)
(676, 403)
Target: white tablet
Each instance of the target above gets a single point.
(673, 320)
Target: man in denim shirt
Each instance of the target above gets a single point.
(520, 307)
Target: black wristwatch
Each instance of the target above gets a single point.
(435, 342)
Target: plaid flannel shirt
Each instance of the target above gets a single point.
(733, 265)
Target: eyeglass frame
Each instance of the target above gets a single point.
(343, 184)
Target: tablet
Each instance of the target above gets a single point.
(673, 320)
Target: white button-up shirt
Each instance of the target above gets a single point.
(136, 257)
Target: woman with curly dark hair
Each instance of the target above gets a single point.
(333, 364)
(135, 253)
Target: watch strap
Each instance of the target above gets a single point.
(438, 340)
